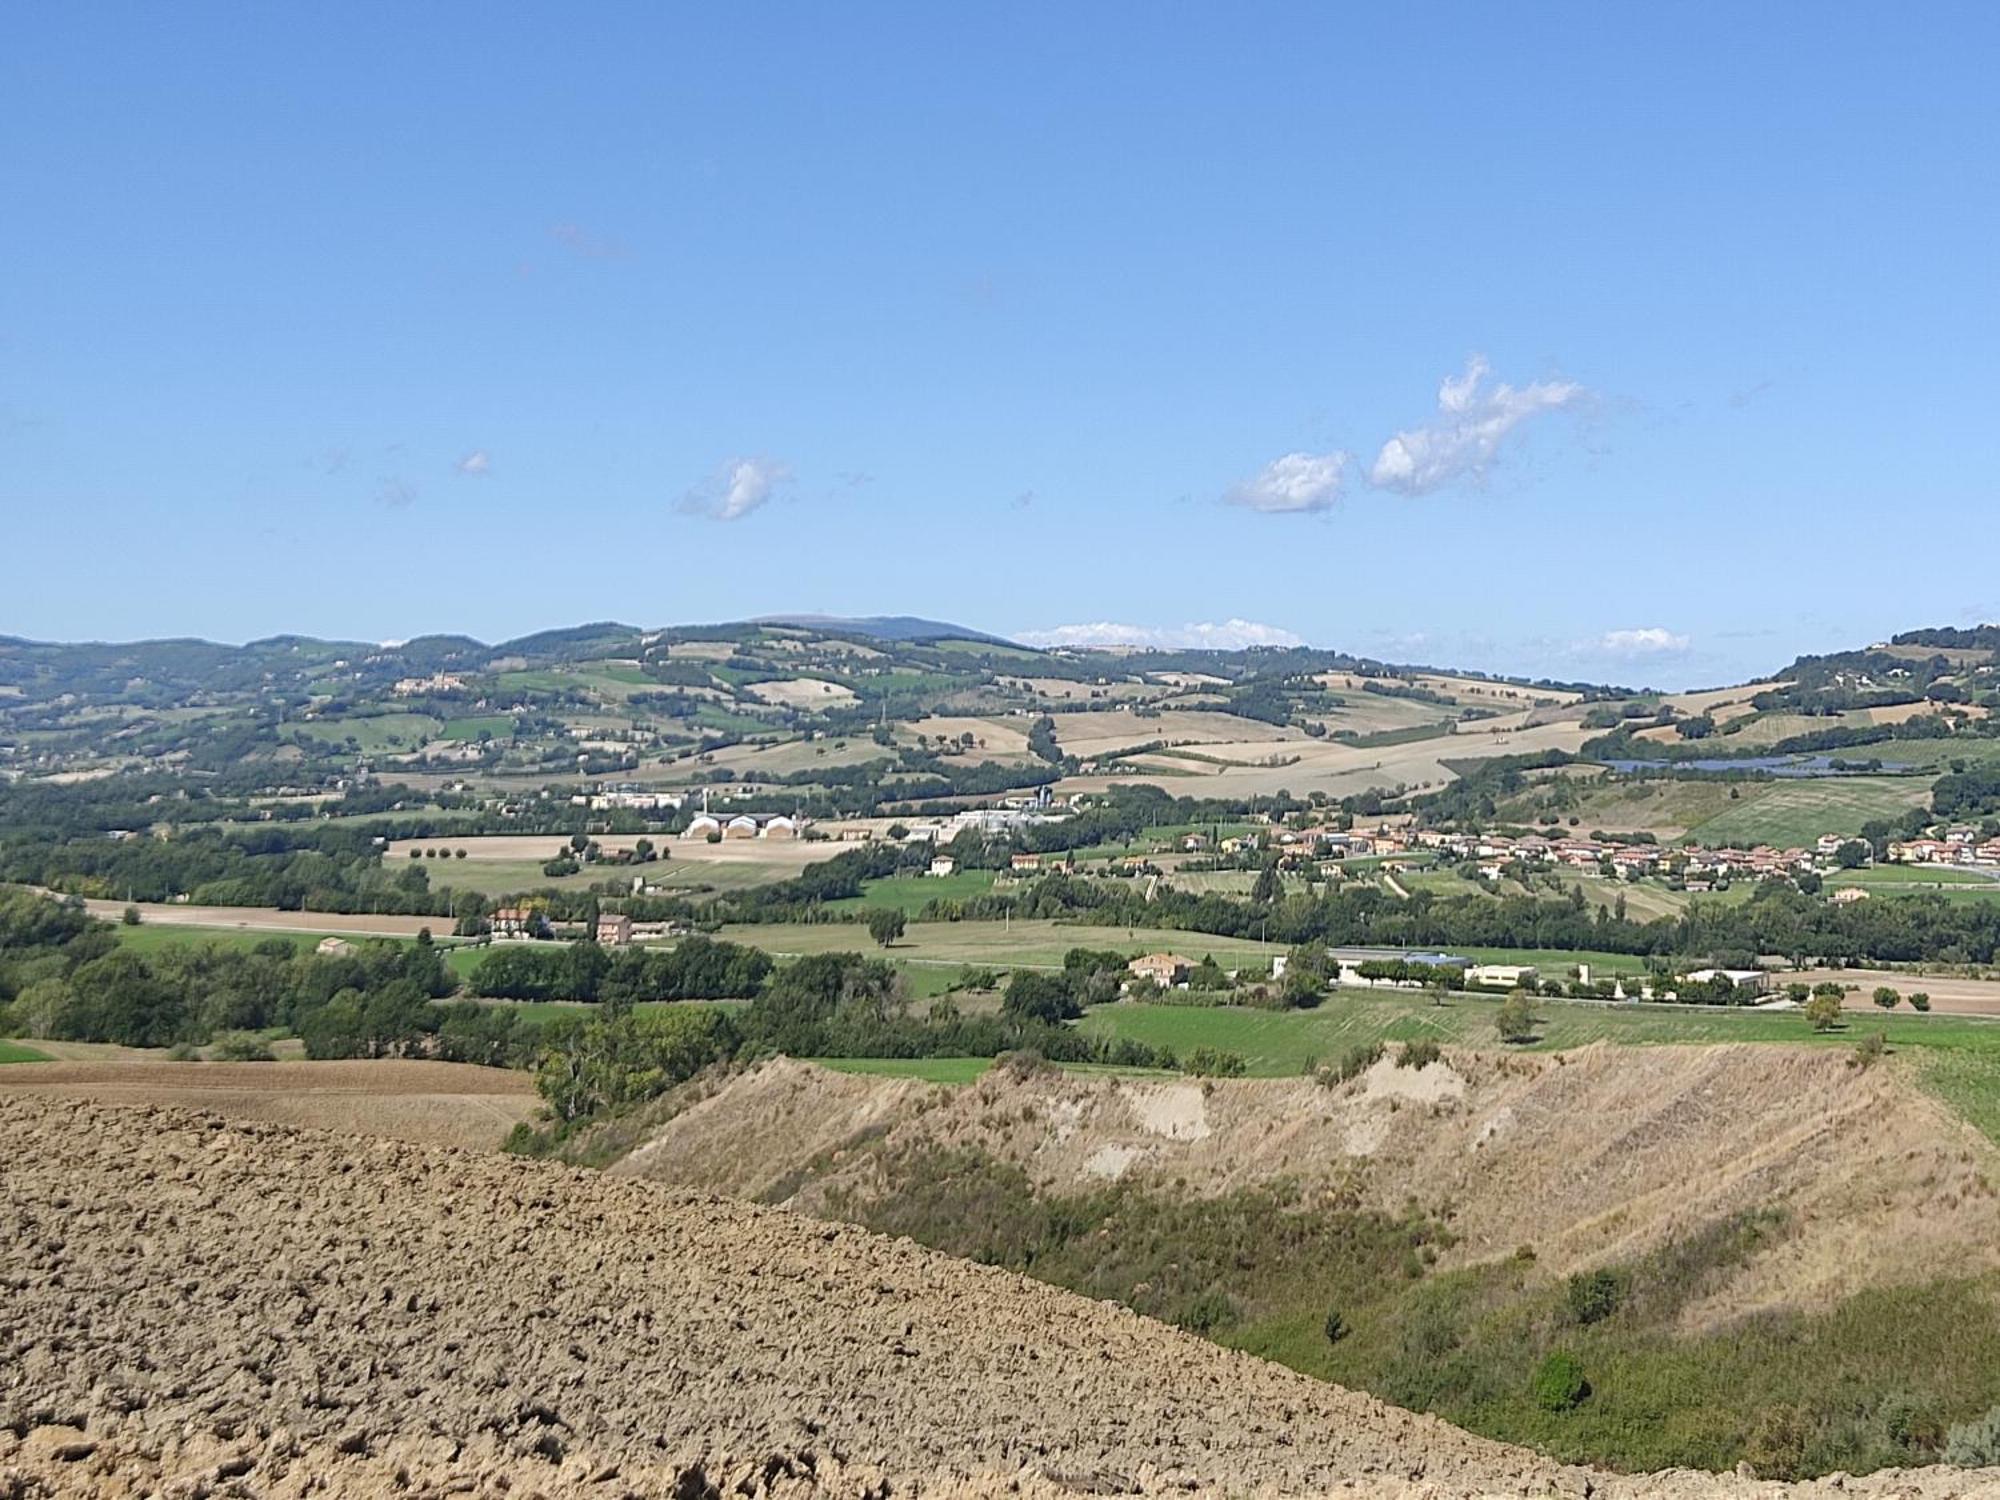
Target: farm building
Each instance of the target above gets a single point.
(1502, 976)
(333, 947)
(1164, 969)
(515, 921)
(702, 826)
(742, 826)
(614, 930)
(780, 827)
(943, 865)
(1743, 979)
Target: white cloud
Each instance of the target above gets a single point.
(1473, 421)
(1228, 635)
(1643, 640)
(736, 489)
(1295, 482)
(475, 465)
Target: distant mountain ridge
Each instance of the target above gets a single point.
(886, 627)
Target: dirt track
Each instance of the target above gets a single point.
(199, 1307)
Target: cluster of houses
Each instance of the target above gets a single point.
(1029, 864)
(1701, 869)
(989, 821)
(1495, 851)
(1959, 844)
(630, 799)
(419, 687)
(1373, 969)
(614, 929)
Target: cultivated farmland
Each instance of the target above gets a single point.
(442, 1104)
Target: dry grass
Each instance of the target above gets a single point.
(802, 692)
(265, 919)
(783, 856)
(1885, 1187)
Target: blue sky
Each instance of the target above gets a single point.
(1651, 343)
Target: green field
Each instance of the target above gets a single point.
(1276, 1043)
(500, 726)
(1889, 881)
(1968, 1079)
(14, 1052)
(929, 1069)
(1555, 963)
(1792, 814)
(1037, 944)
(1447, 883)
(909, 893)
(1895, 875)
(373, 733)
(503, 877)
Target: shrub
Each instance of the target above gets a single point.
(1776, 1447)
(1595, 1295)
(1974, 1444)
(1419, 1054)
(1912, 1426)
(183, 1052)
(1886, 997)
(1335, 1326)
(1351, 1064)
(130, 916)
(1920, 1000)
(242, 1046)
(1869, 1051)
(1205, 1312)
(1026, 1063)
(1213, 1062)
(1560, 1383)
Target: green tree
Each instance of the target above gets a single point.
(1033, 996)
(1268, 887)
(1822, 1012)
(1886, 997)
(1920, 1000)
(1516, 1020)
(885, 924)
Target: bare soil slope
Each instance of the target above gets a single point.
(1592, 1156)
(432, 1103)
(201, 1307)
